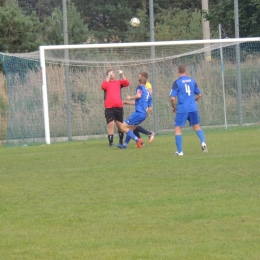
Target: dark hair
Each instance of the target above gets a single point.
(181, 69)
(108, 72)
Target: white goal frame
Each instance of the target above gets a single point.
(114, 45)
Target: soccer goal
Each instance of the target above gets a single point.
(55, 94)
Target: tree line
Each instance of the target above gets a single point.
(27, 24)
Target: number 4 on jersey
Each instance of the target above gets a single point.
(187, 89)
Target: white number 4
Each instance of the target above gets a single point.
(187, 88)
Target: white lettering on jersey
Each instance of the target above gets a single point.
(186, 80)
(187, 89)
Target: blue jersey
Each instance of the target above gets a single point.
(141, 103)
(185, 89)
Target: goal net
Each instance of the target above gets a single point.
(55, 94)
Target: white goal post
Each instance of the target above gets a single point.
(209, 45)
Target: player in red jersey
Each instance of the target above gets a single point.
(113, 103)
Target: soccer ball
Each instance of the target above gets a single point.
(134, 22)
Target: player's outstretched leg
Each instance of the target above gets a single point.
(138, 141)
(139, 129)
(143, 130)
(130, 135)
(136, 133)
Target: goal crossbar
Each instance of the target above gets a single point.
(140, 44)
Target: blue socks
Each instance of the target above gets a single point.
(178, 141)
(201, 136)
(131, 135)
(127, 140)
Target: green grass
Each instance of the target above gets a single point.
(84, 200)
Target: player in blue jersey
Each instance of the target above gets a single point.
(142, 100)
(186, 91)
(139, 129)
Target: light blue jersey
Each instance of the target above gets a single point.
(185, 88)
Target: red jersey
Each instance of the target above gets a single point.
(112, 92)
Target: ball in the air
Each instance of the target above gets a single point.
(134, 22)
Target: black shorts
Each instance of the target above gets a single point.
(113, 114)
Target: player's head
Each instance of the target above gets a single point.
(142, 80)
(111, 73)
(181, 69)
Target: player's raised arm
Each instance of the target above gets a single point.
(123, 80)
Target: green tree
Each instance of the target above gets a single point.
(222, 12)
(43, 8)
(184, 4)
(18, 32)
(53, 27)
(110, 20)
(176, 24)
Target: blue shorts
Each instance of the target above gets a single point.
(136, 118)
(192, 117)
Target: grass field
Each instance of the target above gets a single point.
(84, 200)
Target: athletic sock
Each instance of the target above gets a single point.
(110, 139)
(131, 135)
(136, 133)
(178, 141)
(127, 140)
(143, 130)
(121, 137)
(201, 136)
